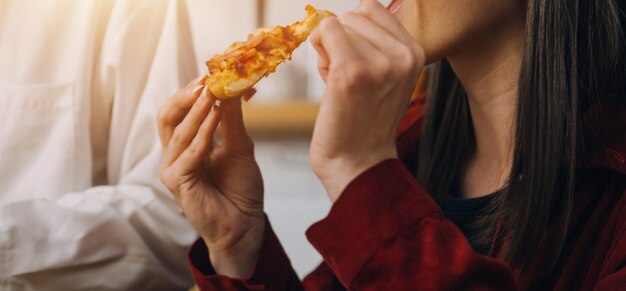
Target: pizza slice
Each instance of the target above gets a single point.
(243, 64)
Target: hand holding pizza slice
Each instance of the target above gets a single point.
(235, 72)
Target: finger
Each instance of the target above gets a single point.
(371, 33)
(184, 99)
(248, 94)
(187, 129)
(322, 60)
(174, 112)
(362, 44)
(233, 128)
(377, 13)
(177, 107)
(407, 54)
(322, 68)
(201, 145)
(331, 39)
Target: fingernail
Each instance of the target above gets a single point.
(203, 96)
(203, 79)
(197, 89)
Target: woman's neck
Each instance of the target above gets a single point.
(490, 78)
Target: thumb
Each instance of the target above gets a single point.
(233, 128)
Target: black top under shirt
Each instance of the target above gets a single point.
(463, 213)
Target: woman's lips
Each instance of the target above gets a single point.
(395, 6)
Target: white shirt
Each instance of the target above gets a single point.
(81, 204)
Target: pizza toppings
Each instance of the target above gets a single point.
(243, 64)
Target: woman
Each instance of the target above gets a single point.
(512, 176)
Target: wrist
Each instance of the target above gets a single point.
(340, 172)
(238, 258)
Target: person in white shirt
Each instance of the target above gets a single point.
(81, 203)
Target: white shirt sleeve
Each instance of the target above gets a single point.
(127, 234)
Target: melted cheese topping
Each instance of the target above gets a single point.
(243, 64)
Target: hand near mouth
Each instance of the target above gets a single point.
(370, 64)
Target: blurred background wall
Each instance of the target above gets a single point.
(294, 197)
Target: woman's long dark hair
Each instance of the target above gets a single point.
(574, 56)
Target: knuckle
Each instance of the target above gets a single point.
(387, 66)
(193, 148)
(197, 145)
(408, 68)
(404, 53)
(322, 63)
(384, 71)
(315, 34)
(325, 25)
(408, 60)
(316, 38)
(356, 74)
(176, 136)
(167, 178)
(315, 160)
(247, 145)
(368, 7)
(420, 54)
(348, 17)
(162, 116)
